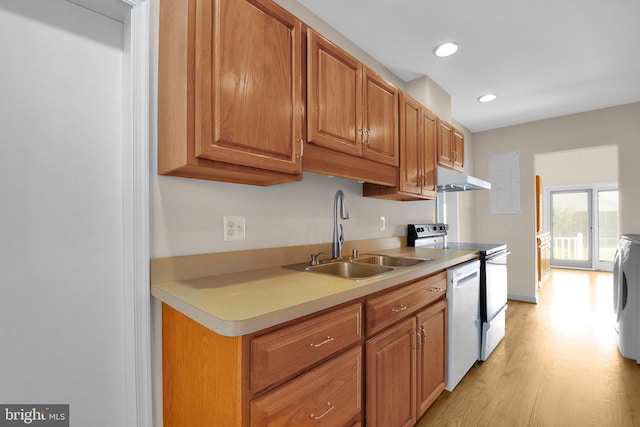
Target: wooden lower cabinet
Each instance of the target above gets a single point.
(329, 395)
(544, 256)
(391, 376)
(405, 368)
(308, 372)
(279, 355)
(313, 370)
(432, 354)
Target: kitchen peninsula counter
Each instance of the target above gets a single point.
(235, 303)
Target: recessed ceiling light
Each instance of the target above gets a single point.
(487, 98)
(446, 49)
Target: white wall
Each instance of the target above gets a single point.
(582, 166)
(613, 126)
(186, 214)
(61, 310)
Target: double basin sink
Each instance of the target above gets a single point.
(362, 267)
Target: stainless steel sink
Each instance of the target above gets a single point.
(390, 261)
(349, 270)
(363, 267)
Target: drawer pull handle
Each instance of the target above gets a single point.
(327, 341)
(434, 290)
(399, 308)
(324, 413)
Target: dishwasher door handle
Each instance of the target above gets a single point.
(493, 259)
(458, 282)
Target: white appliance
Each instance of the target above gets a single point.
(463, 320)
(493, 279)
(493, 298)
(626, 295)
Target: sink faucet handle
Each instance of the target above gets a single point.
(314, 258)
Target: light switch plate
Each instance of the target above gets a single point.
(233, 228)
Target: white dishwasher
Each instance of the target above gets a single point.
(463, 320)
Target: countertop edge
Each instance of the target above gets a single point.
(235, 328)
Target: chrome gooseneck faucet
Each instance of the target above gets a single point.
(338, 239)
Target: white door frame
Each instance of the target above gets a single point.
(594, 188)
(137, 296)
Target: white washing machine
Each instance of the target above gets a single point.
(626, 295)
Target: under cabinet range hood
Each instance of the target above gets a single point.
(450, 181)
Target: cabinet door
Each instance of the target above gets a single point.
(380, 119)
(428, 154)
(410, 140)
(391, 376)
(444, 143)
(432, 356)
(248, 84)
(458, 150)
(334, 97)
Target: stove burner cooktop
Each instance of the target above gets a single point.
(434, 236)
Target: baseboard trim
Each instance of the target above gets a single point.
(523, 298)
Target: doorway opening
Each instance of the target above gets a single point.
(580, 206)
(584, 226)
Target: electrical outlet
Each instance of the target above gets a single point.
(233, 228)
(383, 224)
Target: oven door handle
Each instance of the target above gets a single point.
(495, 257)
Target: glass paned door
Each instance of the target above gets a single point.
(607, 228)
(571, 224)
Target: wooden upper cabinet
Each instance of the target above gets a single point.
(350, 110)
(410, 151)
(417, 148)
(231, 104)
(334, 96)
(428, 153)
(458, 150)
(450, 146)
(380, 119)
(444, 143)
(417, 173)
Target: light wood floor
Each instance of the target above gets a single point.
(557, 366)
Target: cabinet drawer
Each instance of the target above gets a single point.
(282, 353)
(329, 395)
(387, 309)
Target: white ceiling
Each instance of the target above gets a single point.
(543, 58)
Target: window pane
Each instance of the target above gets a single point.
(570, 225)
(607, 224)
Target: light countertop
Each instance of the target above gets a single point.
(244, 302)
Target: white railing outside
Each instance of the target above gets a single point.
(569, 247)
